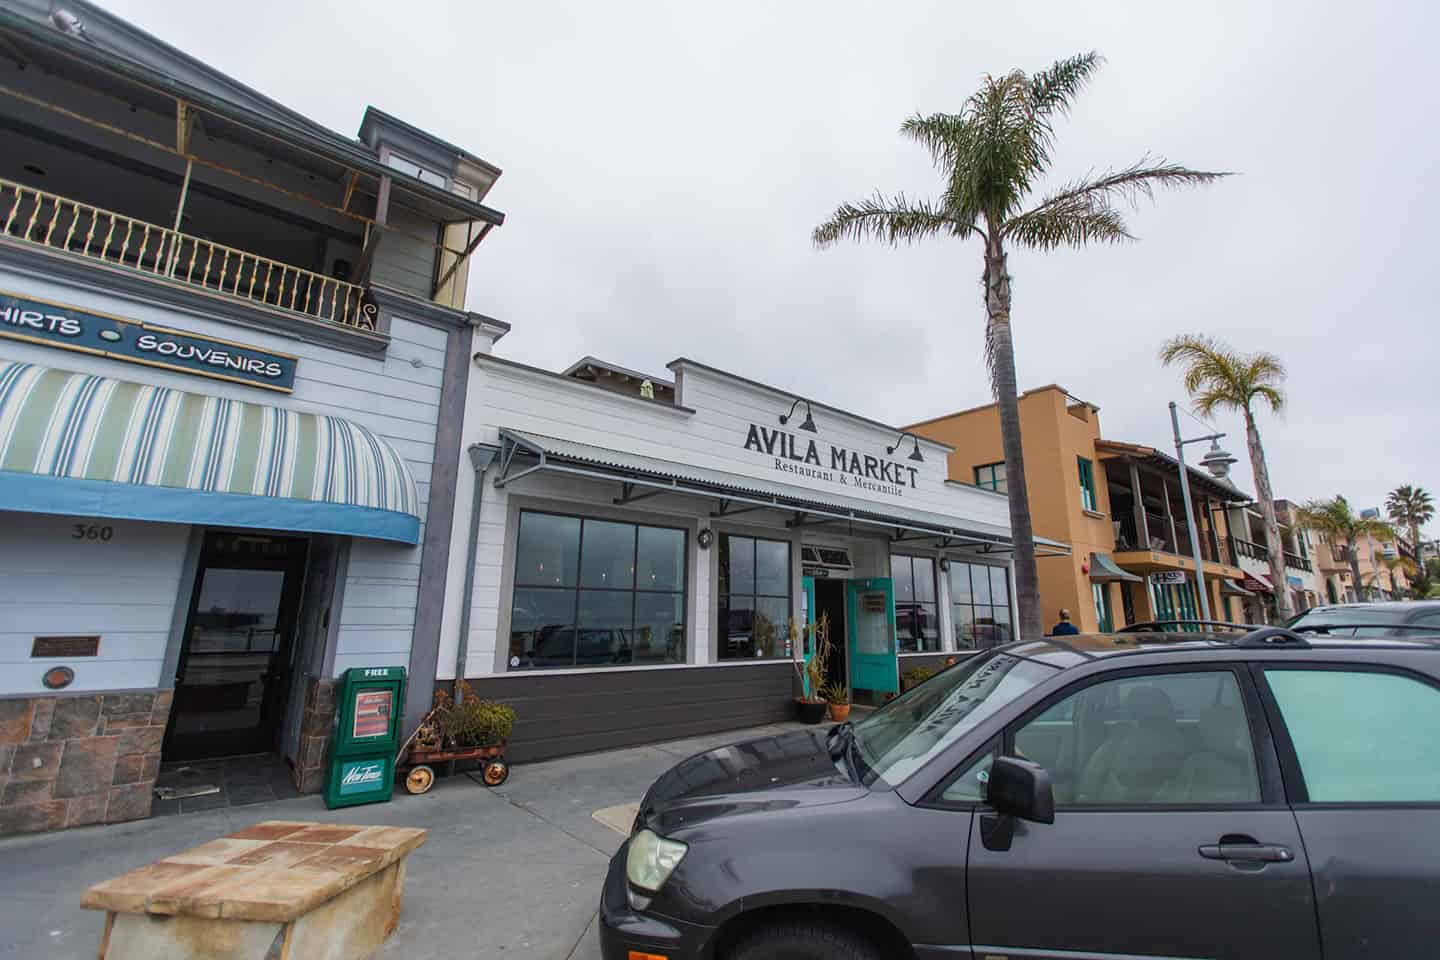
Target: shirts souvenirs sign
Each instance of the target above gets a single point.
(69, 328)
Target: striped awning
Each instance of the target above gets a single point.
(87, 445)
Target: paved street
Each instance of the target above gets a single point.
(513, 872)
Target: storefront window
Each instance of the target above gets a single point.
(917, 616)
(754, 601)
(596, 593)
(980, 605)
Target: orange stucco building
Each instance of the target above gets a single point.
(1117, 505)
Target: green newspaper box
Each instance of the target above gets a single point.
(369, 705)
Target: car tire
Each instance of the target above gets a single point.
(804, 941)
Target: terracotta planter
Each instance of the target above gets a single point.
(810, 711)
(839, 712)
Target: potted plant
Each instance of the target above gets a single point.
(810, 705)
(838, 697)
(914, 677)
(466, 727)
(474, 722)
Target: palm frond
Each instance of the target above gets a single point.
(1046, 230)
(1132, 183)
(895, 220)
(946, 135)
(1052, 90)
(1217, 376)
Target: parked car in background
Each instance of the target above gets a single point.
(1394, 619)
(1241, 795)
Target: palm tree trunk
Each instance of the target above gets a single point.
(1267, 510)
(1354, 550)
(1000, 353)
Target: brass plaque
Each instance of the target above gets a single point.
(874, 603)
(65, 647)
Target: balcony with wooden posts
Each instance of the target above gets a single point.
(35, 217)
(179, 178)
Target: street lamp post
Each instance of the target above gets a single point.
(1219, 465)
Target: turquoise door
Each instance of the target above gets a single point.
(871, 628)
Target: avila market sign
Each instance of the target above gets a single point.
(803, 456)
(69, 328)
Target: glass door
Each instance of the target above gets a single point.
(871, 623)
(234, 668)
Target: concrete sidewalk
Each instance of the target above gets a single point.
(511, 872)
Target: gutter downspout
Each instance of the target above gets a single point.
(481, 456)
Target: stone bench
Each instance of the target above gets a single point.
(280, 890)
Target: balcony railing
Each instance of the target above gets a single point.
(1296, 561)
(1247, 548)
(97, 234)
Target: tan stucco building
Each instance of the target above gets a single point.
(1117, 505)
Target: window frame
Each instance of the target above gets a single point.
(1088, 498)
(996, 484)
(1267, 763)
(933, 604)
(721, 543)
(1296, 791)
(516, 585)
(973, 605)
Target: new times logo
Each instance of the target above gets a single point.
(362, 774)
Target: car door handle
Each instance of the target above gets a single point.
(1254, 852)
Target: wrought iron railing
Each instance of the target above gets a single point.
(1247, 548)
(98, 234)
(1296, 561)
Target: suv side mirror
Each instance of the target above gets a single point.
(1021, 789)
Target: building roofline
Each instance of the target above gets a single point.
(541, 372)
(589, 361)
(986, 406)
(293, 128)
(682, 362)
(373, 111)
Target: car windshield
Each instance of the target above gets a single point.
(1363, 622)
(903, 735)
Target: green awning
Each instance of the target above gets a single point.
(1103, 570)
(92, 446)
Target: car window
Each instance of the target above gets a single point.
(906, 733)
(1361, 737)
(969, 786)
(1153, 739)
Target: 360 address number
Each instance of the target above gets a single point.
(89, 531)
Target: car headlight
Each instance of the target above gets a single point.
(652, 859)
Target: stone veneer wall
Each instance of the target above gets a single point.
(67, 761)
(315, 724)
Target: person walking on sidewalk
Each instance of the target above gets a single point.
(1064, 628)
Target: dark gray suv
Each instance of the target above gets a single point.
(1267, 794)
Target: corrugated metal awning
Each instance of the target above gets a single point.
(1103, 570)
(93, 446)
(658, 476)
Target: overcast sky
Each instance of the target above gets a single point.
(665, 163)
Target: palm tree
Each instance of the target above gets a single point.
(1411, 508)
(1390, 564)
(1219, 378)
(990, 157)
(1335, 519)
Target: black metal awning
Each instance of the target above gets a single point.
(642, 477)
(1104, 570)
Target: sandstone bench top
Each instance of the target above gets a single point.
(275, 871)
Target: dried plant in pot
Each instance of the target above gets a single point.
(810, 705)
(838, 697)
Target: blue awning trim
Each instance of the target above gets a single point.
(34, 493)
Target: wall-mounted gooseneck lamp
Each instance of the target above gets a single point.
(809, 423)
(914, 453)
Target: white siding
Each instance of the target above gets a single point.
(124, 589)
(397, 396)
(713, 437)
